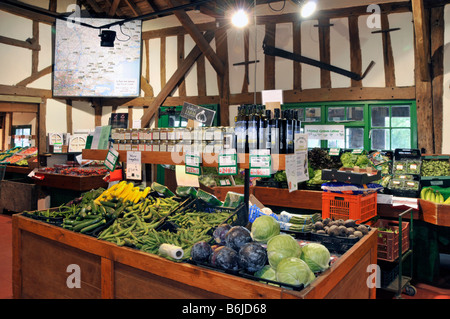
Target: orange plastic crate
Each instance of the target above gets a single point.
(387, 248)
(348, 206)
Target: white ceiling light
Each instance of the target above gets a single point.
(240, 18)
(308, 9)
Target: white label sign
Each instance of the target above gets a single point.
(325, 132)
(134, 167)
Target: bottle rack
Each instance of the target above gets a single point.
(169, 158)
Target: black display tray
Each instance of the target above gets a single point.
(352, 177)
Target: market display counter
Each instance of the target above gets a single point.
(71, 182)
(45, 256)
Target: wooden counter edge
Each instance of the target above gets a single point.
(209, 280)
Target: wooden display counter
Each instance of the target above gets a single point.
(305, 199)
(43, 255)
(71, 182)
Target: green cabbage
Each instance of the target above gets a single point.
(294, 271)
(266, 272)
(316, 256)
(282, 246)
(264, 227)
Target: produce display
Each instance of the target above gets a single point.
(17, 156)
(341, 228)
(435, 196)
(275, 258)
(75, 171)
(436, 167)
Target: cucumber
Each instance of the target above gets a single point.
(92, 226)
(83, 224)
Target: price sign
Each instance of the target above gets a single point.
(192, 161)
(228, 162)
(260, 163)
(134, 167)
(111, 159)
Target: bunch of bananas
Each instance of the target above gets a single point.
(428, 193)
(125, 191)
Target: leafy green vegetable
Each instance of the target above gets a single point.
(264, 227)
(282, 246)
(294, 271)
(280, 176)
(266, 272)
(316, 256)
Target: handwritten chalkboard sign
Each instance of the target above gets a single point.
(197, 113)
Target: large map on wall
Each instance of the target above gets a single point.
(84, 68)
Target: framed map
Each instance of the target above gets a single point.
(83, 68)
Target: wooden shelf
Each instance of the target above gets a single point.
(175, 158)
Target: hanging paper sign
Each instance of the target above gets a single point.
(111, 159)
(197, 113)
(192, 163)
(260, 163)
(134, 167)
(227, 162)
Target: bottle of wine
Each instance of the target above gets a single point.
(298, 123)
(283, 130)
(252, 130)
(262, 129)
(289, 132)
(240, 130)
(268, 118)
(275, 133)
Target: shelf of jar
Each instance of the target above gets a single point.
(177, 158)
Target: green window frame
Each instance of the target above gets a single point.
(369, 125)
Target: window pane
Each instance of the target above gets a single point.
(313, 143)
(355, 113)
(401, 138)
(354, 137)
(301, 114)
(400, 116)
(336, 114)
(380, 139)
(313, 114)
(336, 144)
(380, 116)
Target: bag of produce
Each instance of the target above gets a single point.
(347, 188)
(162, 189)
(186, 191)
(233, 199)
(209, 198)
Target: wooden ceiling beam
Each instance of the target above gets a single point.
(184, 67)
(198, 38)
(93, 4)
(45, 16)
(134, 8)
(420, 41)
(113, 9)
